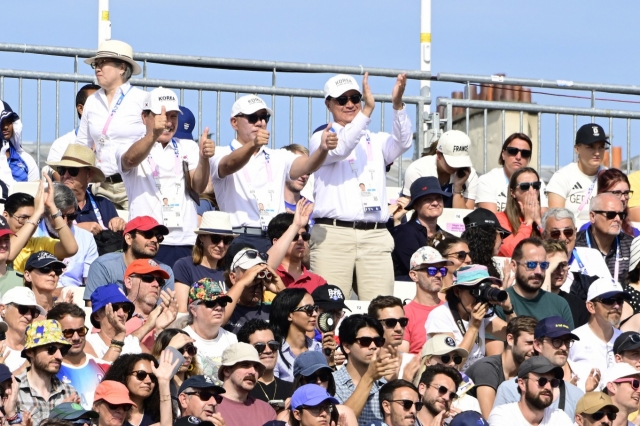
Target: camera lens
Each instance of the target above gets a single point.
(492, 294)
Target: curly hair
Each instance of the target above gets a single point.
(162, 341)
(121, 370)
(481, 240)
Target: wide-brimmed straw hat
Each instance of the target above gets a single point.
(77, 155)
(116, 49)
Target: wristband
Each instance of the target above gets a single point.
(118, 343)
(17, 419)
(507, 312)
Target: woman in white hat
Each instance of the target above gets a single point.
(113, 115)
(214, 237)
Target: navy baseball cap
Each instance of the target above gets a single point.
(5, 373)
(329, 297)
(469, 418)
(553, 327)
(41, 259)
(484, 217)
(424, 186)
(309, 362)
(591, 133)
(627, 341)
(201, 381)
(186, 124)
(7, 113)
(310, 396)
(103, 295)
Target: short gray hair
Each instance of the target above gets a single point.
(63, 197)
(558, 214)
(595, 202)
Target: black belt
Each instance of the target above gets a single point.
(114, 178)
(251, 230)
(348, 224)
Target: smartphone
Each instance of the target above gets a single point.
(461, 172)
(276, 404)
(176, 355)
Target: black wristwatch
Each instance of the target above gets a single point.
(507, 312)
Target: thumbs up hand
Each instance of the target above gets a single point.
(207, 146)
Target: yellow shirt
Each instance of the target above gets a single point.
(34, 245)
(634, 180)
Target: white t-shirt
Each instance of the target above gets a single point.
(590, 352)
(426, 166)
(493, 187)
(14, 360)
(573, 185)
(235, 193)
(510, 415)
(131, 345)
(145, 199)
(440, 320)
(59, 146)
(210, 351)
(592, 261)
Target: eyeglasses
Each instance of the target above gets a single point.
(21, 219)
(558, 343)
(460, 255)
(255, 117)
(625, 194)
(524, 186)
(610, 215)
(307, 309)
(512, 151)
(251, 254)
(126, 307)
(226, 240)
(442, 390)
(542, 382)
(599, 415)
(274, 345)
(567, 232)
(114, 407)
(70, 217)
(206, 395)
(432, 271)
(342, 100)
(531, 265)
(407, 404)
(189, 348)
(99, 63)
(635, 383)
(47, 270)
(52, 349)
(69, 332)
(24, 310)
(366, 341)
(391, 322)
(610, 301)
(211, 304)
(150, 234)
(315, 411)
(457, 359)
(148, 278)
(73, 171)
(305, 237)
(322, 375)
(142, 375)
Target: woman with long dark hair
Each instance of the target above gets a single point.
(457, 251)
(293, 315)
(484, 237)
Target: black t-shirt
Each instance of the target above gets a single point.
(278, 389)
(578, 308)
(242, 314)
(487, 372)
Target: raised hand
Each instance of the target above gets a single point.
(592, 380)
(369, 101)
(166, 365)
(398, 91)
(303, 211)
(207, 146)
(478, 313)
(169, 309)
(113, 319)
(329, 139)
(159, 123)
(48, 195)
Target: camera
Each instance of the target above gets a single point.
(485, 293)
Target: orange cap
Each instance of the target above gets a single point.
(145, 266)
(113, 392)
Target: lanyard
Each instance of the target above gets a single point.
(583, 270)
(245, 172)
(96, 210)
(586, 199)
(77, 128)
(617, 267)
(369, 149)
(113, 112)
(176, 166)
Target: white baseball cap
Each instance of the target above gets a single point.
(21, 296)
(246, 261)
(618, 371)
(604, 288)
(454, 145)
(339, 84)
(441, 344)
(157, 98)
(249, 104)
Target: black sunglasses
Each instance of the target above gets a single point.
(391, 322)
(142, 375)
(150, 234)
(205, 395)
(512, 151)
(442, 390)
(226, 239)
(52, 349)
(211, 304)
(189, 348)
(305, 237)
(457, 359)
(557, 343)
(555, 234)
(252, 254)
(599, 415)
(114, 407)
(126, 307)
(69, 332)
(460, 255)
(70, 216)
(542, 382)
(73, 171)
(24, 310)
(148, 278)
(322, 375)
(308, 309)
(366, 341)
(609, 301)
(255, 117)
(610, 215)
(47, 270)
(342, 100)
(524, 186)
(407, 404)
(274, 345)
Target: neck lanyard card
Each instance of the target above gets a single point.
(369, 195)
(103, 136)
(171, 189)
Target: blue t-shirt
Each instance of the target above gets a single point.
(188, 273)
(205, 206)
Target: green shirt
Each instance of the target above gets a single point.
(10, 280)
(542, 306)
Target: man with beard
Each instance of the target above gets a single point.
(199, 397)
(595, 409)
(40, 390)
(142, 237)
(240, 370)
(437, 388)
(399, 403)
(622, 383)
(595, 347)
(529, 261)
(489, 372)
(552, 341)
(537, 379)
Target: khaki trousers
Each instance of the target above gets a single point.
(116, 193)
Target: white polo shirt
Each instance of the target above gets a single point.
(126, 126)
(145, 199)
(337, 191)
(426, 166)
(493, 187)
(592, 261)
(573, 185)
(265, 171)
(590, 352)
(59, 146)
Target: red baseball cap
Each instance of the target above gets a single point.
(145, 266)
(144, 223)
(4, 227)
(113, 392)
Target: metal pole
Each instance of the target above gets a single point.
(39, 121)
(628, 145)
(539, 143)
(57, 109)
(425, 60)
(218, 118)
(290, 120)
(104, 24)
(199, 112)
(557, 141)
(610, 142)
(309, 120)
(484, 138)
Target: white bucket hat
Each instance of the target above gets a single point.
(116, 49)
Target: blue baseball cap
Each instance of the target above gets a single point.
(310, 396)
(103, 295)
(469, 418)
(201, 381)
(5, 373)
(309, 362)
(553, 327)
(186, 124)
(424, 186)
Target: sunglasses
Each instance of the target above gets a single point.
(407, 404)
(432, 271)
(47, 270)
(189, 348)
(524, 186)
(366, 341)
(542, 382)
(114, 407)
(226, 240)
(52, 349)
(305, 237)
(318, 409)
(250, 254)
(558, 343)
(391, 322)
(73, 171)
(69, 332)
(142, 375)
(24, 310)
(635, 383)
(610, 215)
(70, 216)
(531, 265)
(512, 151)
(206, 396)
(442, 390)
(322, 375)
(274, 345)
(126, 307)
(625, 194)
(599, 415)
(148, 278)
(342, 100)
(255, 117)
(567, 232)
(150, 234)
(460, 255)
(457, 359)
(211, 304)
(308, 309)
(609, 301)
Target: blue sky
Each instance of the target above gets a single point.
(573, 40)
